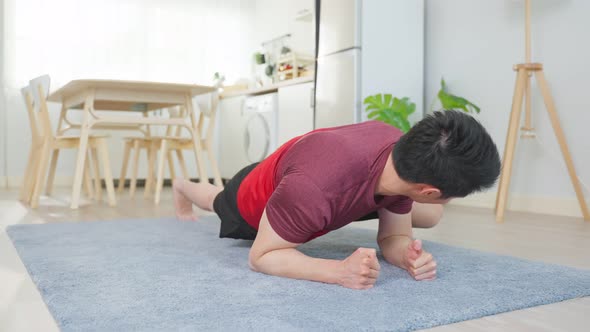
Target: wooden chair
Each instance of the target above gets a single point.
(134, 145)
(150, 144)
(178, 143)
(46, 142)
(29, 178)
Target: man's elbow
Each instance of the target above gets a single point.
(254, 261)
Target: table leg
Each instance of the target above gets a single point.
(171, 166)
(182, 164)
(135, 167)
(96, 167)
(106, 168)
(149, 180)
(196, 136)
(160, 179)
(85, 131)
(62, 116)
(123, 175)
(88, 179)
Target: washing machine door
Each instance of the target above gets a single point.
(256, 138)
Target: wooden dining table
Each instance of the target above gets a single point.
(91, 95)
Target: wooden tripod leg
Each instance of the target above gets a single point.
(510, 144)
(562, 143)
(511, 125)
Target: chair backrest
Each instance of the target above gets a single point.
(210, 114)
(175, 112)
(40, 91)
(28, 98)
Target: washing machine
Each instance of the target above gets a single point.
(260, 115)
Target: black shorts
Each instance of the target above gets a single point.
(226, 207)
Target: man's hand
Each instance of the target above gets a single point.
(419, 263)
(360, 270)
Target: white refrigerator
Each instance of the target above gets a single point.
(367, 47)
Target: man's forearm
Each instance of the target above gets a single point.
(291, 263)
(393, 249)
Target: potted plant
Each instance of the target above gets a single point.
(391, 110)
(395, 111)
(452, 102)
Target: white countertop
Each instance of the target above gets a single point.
(267, 88)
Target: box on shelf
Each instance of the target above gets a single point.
(293, 65)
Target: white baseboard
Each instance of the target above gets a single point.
(13, 182)
(547, 205)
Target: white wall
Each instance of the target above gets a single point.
(474, 44)
(392, 54)
(274, 18)
(176, 41)
(2, 106)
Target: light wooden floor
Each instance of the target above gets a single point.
(544, 238)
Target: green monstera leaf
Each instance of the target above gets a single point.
(391, 110)
(452, 102)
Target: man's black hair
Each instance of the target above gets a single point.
(449, 150)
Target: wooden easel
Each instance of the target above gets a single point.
(523, 89)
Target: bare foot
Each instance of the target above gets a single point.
(182, 206)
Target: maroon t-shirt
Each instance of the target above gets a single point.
(321, 181)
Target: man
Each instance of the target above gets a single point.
(330, 177)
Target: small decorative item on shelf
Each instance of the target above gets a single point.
(259, 58)
(218, 80)
(269, 70)
(292, 65)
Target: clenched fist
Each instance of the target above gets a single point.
(419, 263)
(360, 270)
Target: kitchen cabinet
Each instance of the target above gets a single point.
(295, 111)
(232, 157)
(295, 117)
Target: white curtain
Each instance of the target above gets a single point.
(184, 41)
(159, 40)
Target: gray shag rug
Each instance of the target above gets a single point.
(164, 275)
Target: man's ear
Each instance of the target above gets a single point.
(429, 191)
